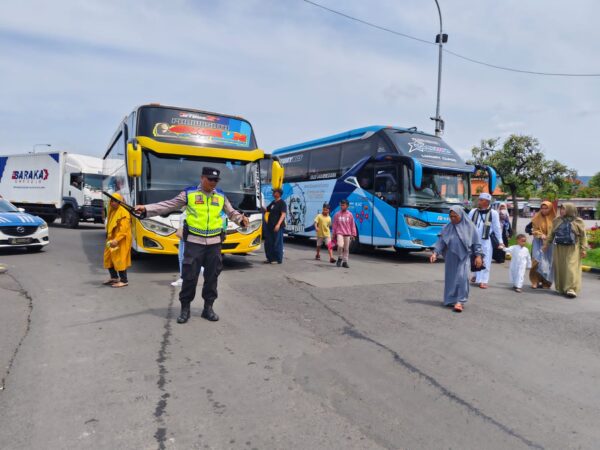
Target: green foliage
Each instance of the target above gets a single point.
(597, 210)
(587, 192)
(524, 169)
(594, 238)
(593, 258)
(595, 181)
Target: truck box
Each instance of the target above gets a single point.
(54, 185)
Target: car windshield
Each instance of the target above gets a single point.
(6, 206)
(439, 189)
(165, 177)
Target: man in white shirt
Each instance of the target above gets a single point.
(487, 221)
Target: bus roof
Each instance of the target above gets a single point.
(428, 149)
(345, 136)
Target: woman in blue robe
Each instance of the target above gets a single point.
(458, 241)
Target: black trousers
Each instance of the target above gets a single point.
(196, 256)
(122, 275)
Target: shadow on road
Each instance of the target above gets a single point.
(380, 253)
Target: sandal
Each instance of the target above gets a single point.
(110, 281)
(483, 286)
(458, 307)
(119, 284)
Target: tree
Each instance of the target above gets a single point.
(595, 181)
(557, 181)
(522, 166)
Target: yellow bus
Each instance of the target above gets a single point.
(158, 151)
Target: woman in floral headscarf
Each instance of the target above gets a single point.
(541, 275)
(567, 257)
(117, 251)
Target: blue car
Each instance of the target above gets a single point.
(19, 229)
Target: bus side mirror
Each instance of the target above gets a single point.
(417, 174)
(134, 159)
(276, 174)
(492, 180)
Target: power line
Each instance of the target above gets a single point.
(458, 55)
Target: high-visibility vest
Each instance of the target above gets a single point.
(204, 213)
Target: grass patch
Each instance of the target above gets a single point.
(593, 258)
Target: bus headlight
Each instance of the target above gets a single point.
(251, 228)
(157, 227)
(414, 222)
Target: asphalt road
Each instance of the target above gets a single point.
(306, 356)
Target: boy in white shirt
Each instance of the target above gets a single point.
(520, 262)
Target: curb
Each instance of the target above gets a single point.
(590, 269)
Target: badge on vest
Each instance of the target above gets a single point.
(214, 201)
(199, 199)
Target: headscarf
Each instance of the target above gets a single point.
(115, 215)
(465, 229)
(503, 213)
(577, 224)
(544, 223)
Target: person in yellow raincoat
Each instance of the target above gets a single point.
(117, 251)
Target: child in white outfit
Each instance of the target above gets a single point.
(519, 263)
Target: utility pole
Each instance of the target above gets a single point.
(440, 39)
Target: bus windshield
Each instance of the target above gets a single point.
(439, 189)
(195, 128)
(166, 176)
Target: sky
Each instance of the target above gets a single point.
(70, 71)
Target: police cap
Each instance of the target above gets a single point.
(211, 173)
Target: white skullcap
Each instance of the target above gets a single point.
(485, 196)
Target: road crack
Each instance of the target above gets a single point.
(353, 332)
(161, 406)
(29, 299)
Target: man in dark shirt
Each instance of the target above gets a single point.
(273, 229)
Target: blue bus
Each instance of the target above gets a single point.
(400, 183)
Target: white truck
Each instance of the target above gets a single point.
(54, 185)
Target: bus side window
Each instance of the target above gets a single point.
(324, 162)
(296, 166)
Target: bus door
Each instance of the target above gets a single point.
(386, 202)
(363, 203)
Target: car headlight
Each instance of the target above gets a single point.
(43, 226)
(157, 227)
(251, 228)
(414, 222)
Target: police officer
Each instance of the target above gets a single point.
(203, 233)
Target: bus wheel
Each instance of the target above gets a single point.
(355, 245)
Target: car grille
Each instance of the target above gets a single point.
(19, 231)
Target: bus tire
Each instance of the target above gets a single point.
(70, 218)
(355, 245)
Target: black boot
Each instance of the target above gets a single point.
(209, 314)
(185, 313)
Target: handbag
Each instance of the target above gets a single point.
(475, 268)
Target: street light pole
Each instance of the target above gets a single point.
(440, 39)
(40, 145)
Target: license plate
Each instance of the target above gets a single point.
(19, 241)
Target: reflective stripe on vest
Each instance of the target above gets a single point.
(204, 213)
